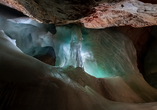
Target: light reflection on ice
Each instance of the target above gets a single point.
(65, 78)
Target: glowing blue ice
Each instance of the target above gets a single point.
(108, 53)
(101, 53)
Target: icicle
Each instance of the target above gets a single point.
(75, 47)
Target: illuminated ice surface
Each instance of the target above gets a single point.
(99, 52)
(105, 54)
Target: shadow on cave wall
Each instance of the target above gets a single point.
(149, 1)
(9, 12)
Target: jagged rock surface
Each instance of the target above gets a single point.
(130, 12)
(90, 13)
(53, 11)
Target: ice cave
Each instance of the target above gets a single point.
(78, 55)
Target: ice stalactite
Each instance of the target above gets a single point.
(67, 45)
(75, 47)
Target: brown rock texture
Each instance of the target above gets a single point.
(52, 11)
(90, 13)
(130, 12)
(48, 59)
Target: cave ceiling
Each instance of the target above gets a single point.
(89, 13)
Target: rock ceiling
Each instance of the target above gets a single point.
(89, 13)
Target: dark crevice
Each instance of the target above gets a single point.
(149, 1)
(36, 1)
(10, 12)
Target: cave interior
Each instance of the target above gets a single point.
(68, 66)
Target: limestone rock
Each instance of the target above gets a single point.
(90, 13)
(52, 11)
(130, 12)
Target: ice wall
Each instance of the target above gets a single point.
(101, 53)
(29, 37)
(109, 52)
(26, 83)
(104, 53)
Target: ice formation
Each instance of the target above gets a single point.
(105, 54)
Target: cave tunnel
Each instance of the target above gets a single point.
(63, 55)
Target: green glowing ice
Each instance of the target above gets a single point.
(108, 53)
(102, 53)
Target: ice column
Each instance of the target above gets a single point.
(75, 47)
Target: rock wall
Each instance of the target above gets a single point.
(89, 13)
